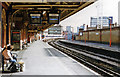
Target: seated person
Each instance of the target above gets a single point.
(12, 58)
(7, 55)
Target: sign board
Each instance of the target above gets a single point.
(97, 33)
(53, 18)
(35, 18)
(15, 39)
(110, 21)
(81, 33)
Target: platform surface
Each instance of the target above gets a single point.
(42, 59)
(96, 45)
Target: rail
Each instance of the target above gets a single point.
(102, 64)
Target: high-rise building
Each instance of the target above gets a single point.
(78, 29)
(69, 32)
(101, 21)
(68, 29)
(98, 9)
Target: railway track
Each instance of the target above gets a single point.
(104, 65)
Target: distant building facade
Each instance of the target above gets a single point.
(68, 35)
(55, 30)
(78, 29)
(101, 22)
(68, 29)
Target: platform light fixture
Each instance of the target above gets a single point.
(44, 12)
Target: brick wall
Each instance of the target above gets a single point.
(100, 35)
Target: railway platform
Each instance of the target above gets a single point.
(42, 59)
(96, 45)
(104, 60)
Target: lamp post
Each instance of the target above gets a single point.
(66, 36)
(110, 32)
(85, 37)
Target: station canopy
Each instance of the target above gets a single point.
(44, 9)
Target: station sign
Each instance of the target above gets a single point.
(53, 18)
(35, 18)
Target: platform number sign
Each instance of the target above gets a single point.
(35, 18)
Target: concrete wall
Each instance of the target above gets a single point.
(106, 36)
(77, 37)
(94, 36)
(85, 36)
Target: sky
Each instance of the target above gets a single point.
(99, 8)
